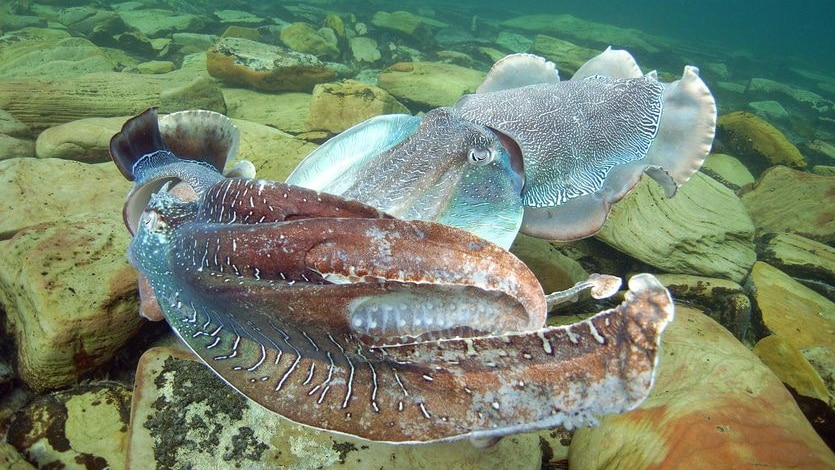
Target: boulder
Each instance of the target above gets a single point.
(15, 137)
(702, 230)
(70, 296)
(285, 111)
(805, 101)
(714, 404)
(265, 67)
(566, 55)
(809, 262)
(85, 140)
(789, 365)
(274, 153)
(723, 300)
(429, 84)
(183, 414)
(36, 191)
(364, 49)
(11, 459)
(554, 270)
(786, 308)
(42, 54)
(338, 106)
(84, 427)
(758, 142)
(727, 170)
(415, 26)
(786, 200)
(302, 37)
(156, 22)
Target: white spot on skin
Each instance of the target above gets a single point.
(595, 334)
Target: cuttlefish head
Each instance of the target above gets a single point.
(439, 168)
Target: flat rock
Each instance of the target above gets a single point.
(566, 55)
(723, 300)
(429, 84)
(81, 428)
(728, 170)
(172, 387)
(85, 140)
(11, 459)
(758, 142)
(155, 22)
(416, 26)
(284, 111)
(338, 106)
(303, 37)
(788, 364)
(34, 191)
(810, 262)
(364, 49)
(70, 296)
(14, 147)
(801, 100)
(786, 200)
(274, 153)
(790, 310)
(39, 53)
(554, 270)
(713, 403)
(702, 230)
(265, 67)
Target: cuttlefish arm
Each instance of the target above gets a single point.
(587, 141)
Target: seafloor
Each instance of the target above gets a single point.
(747, 247)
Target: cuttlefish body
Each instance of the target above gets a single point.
(559, 153)
(341, 317)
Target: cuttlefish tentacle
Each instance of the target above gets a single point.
(600, 286)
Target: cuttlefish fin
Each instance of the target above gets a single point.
(139, 136)
(614, 63)
(340, 157)
(201, 135)
(685, 133)
(518, 70)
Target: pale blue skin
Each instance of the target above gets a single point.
(439, 168)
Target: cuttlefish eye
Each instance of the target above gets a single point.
(480, 156)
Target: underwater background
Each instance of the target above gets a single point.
(746, 372)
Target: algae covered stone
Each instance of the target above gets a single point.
(338, 106)
(752, 138)
(429, 84)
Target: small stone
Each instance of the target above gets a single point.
(338, 106)
(364, 49)
(265, 67)
(786, 200)
(155, 67)
(757, 141)
(791, 367)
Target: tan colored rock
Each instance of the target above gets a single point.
(727, 170)
(85, 140)
(338, 106)
(70, 296)
(11, 459)
(364, 49)
(791, 367)
(303, 37)
(788, 309)
(786, 200)
(284, 111)
(154, 22)
(416, 26)
(80, 428)
(811, 262)
(702, 230)
(566, 55)
(554, 270)
(34, 191)
(714, 404)
(37, 53)
(173, 391)
(14, 147)
(754, 139)
(429, 84)
(264, 67)
(723, 300)
(274, 153)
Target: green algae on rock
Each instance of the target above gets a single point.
(752, 138)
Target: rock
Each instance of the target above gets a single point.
(554, 270)
(429, 84)
(786, 308)
(567, 26)
(34, 191)
(334, 22)
(241, 32)
(189, 43)
(11, 459)
(786, 200)
(821, 148)
(338, 106)
(417, 27)
(724, 301)
(15, 137)
(823, 170)
(85, 140)
(183, 415)
(566, 55)
(84, 427)
(702, 230)
(93, 23)
(42, 54)
(514, 42)
(809, 262)
(302, 37)
(155, 67)
(714, 403)
(155, 22)
(285, 111)
(727, 170)
(201, 93)
(70, 295)
(44, 103)
(757, 141)
(769, 110)
(789, 365)
(801, 100)
(364, 49)
(238, 17)
(265, 67)
(274, 153)
(823, 360)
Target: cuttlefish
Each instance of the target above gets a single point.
(526, 152)
(338, 316)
